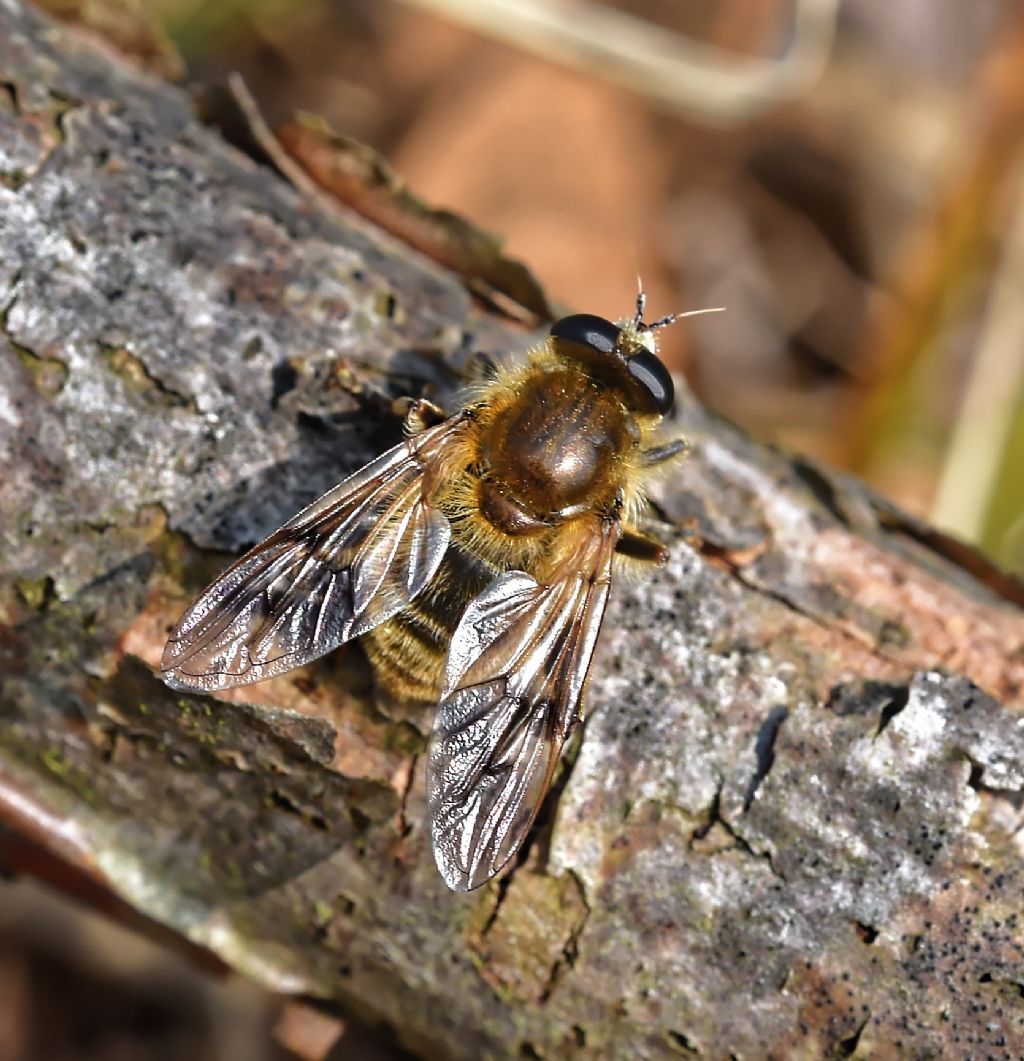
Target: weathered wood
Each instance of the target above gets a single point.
(791, 828)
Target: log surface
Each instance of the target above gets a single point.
(792, 827)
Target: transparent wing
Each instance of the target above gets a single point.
(349, 561)
(516, 669)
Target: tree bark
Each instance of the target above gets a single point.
(792, 826)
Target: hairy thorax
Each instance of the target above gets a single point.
(552, 453)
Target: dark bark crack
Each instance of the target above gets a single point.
(764, 750)
(975, 781)
(892, 707)
(134, 371)
(10, 90)
(60, 107)
(48, 373)
(848, 1047)
(1004, 982)
(867, 934)
(570, 950)
(404, 828)
(681, 1043)
(715, 817)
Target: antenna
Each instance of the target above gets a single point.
(669, 318)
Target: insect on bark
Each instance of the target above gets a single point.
(474, 559)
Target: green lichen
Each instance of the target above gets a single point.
(404, 738)
(48, 375)
(59, 765)
(13, 179)
(894, 635)
(35, 592)
(130, 368)
(386, 305)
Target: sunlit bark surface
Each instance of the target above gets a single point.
(791, 827)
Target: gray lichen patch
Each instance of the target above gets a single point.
(865, 808)
(856, 827)
(158, 281)
(817, 541)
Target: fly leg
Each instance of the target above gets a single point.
(635, 545)
(480, 366)
(677, 447)
(418, 414)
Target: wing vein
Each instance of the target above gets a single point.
(298, 594)
(517, 667)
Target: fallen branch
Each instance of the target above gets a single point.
(791, 827)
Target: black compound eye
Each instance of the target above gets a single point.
(587, 329)
(654, 380)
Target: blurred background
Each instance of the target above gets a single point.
(844, 176)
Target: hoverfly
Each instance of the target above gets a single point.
(474, 559)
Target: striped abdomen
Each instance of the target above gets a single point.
(408, 652)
